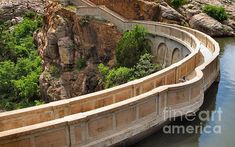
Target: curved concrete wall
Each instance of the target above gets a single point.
(171, 75)
(122, 112)
(163, 49)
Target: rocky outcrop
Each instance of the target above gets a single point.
(64, 41)
(160, 10)
(144, 10)
(210, 26)
(170, 15)
(13, 9)
(133, 9)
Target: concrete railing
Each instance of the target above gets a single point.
(121, 112)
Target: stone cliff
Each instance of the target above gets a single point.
(71, 48)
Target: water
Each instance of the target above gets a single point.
(220, 95)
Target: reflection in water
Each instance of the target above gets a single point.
(218, 96)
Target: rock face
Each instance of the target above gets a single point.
(210, 26)
(67, 39)
(143, 10)
(133, 9)
(170, 15)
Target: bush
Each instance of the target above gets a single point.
(39, 102)
(54, 71)
(104, 70)
(132, 45)
(20, 64)
(145, 66)
(178, 3)
(80, 64)
(30, 15)
(122, 75)
(85, 20)
(7, 74)
(217, 12)
(116, 76)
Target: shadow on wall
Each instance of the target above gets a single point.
(176, 56)
(162, 52)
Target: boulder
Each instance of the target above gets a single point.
(170, 15)
(210, 26)
(230, 23)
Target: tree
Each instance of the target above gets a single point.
(145, 66)
(20, 64)
(132, 45)
(7, 74)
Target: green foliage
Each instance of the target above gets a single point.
(20, 65)
(118, 76)
(71, 8)
(84, 21)
(30, 15)
(80, 64)
(24, 28)
(54, 71)
(39, 102)
(122, 75)
(7, 74)
(132, 45)
(104, 70)
(145, 66)
(27, 87)
(217, 12)
(178, 3)
(19, 42)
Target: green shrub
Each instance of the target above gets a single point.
(39, 102)
(80, 64)
(178, 3)
(85, 20)
(54, 71)
(145, 66)
(132, 45)
(7, 74)
(30, 15)
(121, 75)
(116, 76)
(217, 12)
(27, 87)
(20, 64)
(104, 70)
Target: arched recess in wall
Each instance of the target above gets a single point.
(176, 56)
(160, 56)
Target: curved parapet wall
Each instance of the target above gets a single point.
(114, 115)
